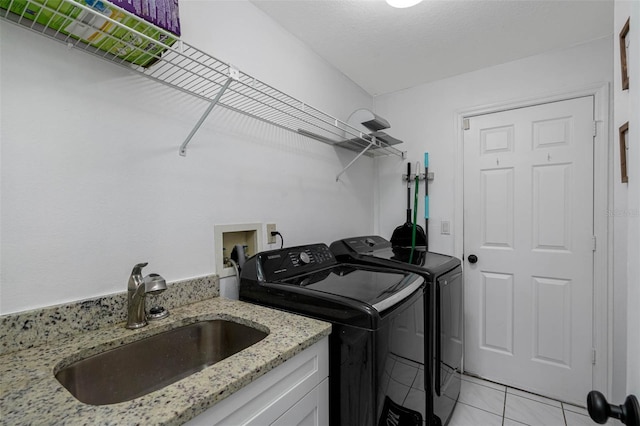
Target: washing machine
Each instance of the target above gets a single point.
(364, 304)
(441, 314)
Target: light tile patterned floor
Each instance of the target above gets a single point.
(484, 403)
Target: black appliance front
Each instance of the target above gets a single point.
(364, 305)
(443, 305)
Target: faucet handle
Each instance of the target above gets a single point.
(135, 279)
(137, 270)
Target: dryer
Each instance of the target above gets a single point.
(363, 304)
(441, 314)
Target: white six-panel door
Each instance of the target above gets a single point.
(528, 217)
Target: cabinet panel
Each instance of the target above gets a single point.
(312, 410)
(267, 398)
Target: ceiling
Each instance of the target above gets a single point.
(383, 49)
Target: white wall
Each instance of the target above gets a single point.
(627, 209)
(425, 118)
(633, 201)
(92, 182)
(633, 300)
(620, 213)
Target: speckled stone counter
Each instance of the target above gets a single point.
(30, 394)
(27, 329)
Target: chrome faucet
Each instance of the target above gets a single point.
(137, 289)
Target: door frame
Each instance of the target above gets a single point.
(603, 202)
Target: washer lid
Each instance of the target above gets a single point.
(380, 289)
(377, 247)
(426, 259)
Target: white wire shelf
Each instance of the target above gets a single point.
(128, 41)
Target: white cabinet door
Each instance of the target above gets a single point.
(312, 410)
(528, 202)
(267, 398)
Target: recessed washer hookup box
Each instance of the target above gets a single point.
(93, 28)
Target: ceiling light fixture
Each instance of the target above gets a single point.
(401, 4)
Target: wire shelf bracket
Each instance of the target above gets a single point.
(139, 46)
(214, 102)
(372, 143)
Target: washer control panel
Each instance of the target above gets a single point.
(289, 262)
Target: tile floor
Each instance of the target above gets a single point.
(483, 403)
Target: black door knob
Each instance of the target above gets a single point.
(600, 410)
(472, 258)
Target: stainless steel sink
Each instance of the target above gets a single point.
(137, 368)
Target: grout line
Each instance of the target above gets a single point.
(478, 408)
(506, 392)
(412, 383)
(504, 405)
(517, 421)
(573, 407)
(536, 400)
(483, 409)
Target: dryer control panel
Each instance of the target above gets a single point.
(285, 263)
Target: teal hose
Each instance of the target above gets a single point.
(415, 215)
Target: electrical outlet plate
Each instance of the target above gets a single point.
(271, 239)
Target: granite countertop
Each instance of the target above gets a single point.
(30, 394)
